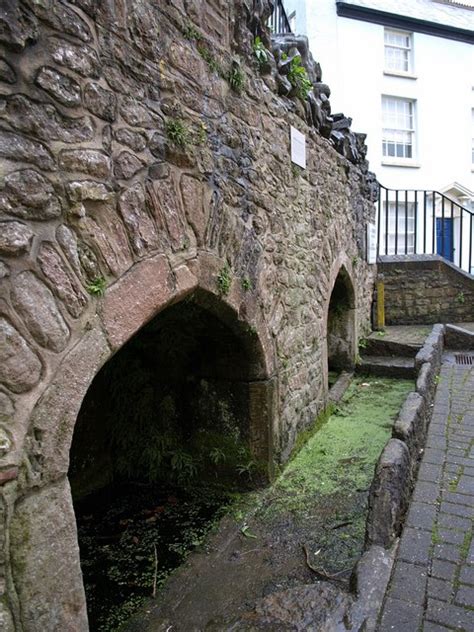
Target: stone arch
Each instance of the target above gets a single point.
(341, 320)
(46, 571)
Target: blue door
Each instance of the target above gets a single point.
(444, 238)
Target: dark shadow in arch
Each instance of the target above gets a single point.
(182, 410)
(341, 326)
(194, 366)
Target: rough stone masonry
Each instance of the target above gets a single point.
(143, 152)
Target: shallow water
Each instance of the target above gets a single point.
(131, 536)
(318, 504)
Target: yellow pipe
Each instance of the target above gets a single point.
(380, 305)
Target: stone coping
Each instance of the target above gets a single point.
(458, 338)
(393, 482)
(428, 261)
(394, 473)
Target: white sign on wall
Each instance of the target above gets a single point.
(298, 147)
(371, 243)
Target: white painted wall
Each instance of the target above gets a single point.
(351, 54)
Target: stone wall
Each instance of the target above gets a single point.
(425, 289)
(143, 154)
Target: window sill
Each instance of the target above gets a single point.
(401, 163)
(405, 75)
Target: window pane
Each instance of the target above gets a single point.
(398, 132)
(397, 51)
(400, 227)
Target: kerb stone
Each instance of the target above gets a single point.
(389, 494)
(410, 427)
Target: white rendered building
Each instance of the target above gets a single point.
(403, 70)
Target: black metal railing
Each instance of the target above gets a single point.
(278, 21)
(413, 221)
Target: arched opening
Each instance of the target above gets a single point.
(341, 327)
(170, 428)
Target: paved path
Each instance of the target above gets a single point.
(432, 585)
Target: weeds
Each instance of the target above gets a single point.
(97, 286)
(246, 284)
(224, 280)
(435, 537)
(235, 77)
(298, 77)
(209, 58)
(296, 170)
(453, 483)
(177, 132)
(191, 33)
(245, 531)
(216, 456)
(248, 469)
(260, 52)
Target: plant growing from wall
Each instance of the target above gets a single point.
(299, 79)
(217, 455)
(247, 469)
(460, 298)
(183, 465)
(191, 33)
(224, 280)
(97, 286)
(260, 52)
(209, 58)
(296, 170)
(246, 284)
(235, 77)
(177, 132)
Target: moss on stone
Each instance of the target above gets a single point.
(20, 541)
(344, 448)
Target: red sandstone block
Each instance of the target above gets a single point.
(8, 475)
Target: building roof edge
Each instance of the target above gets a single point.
(376, 16)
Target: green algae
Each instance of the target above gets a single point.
(324, 487)
(342, 453)
(315, 510)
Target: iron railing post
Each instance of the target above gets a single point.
(416, 223)
(441, 234)
(278, 21)
(470, 245)
(396, 221)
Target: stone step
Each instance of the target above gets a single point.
(387, 366)
(340, 386)
(375, 346)
(459, 338)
